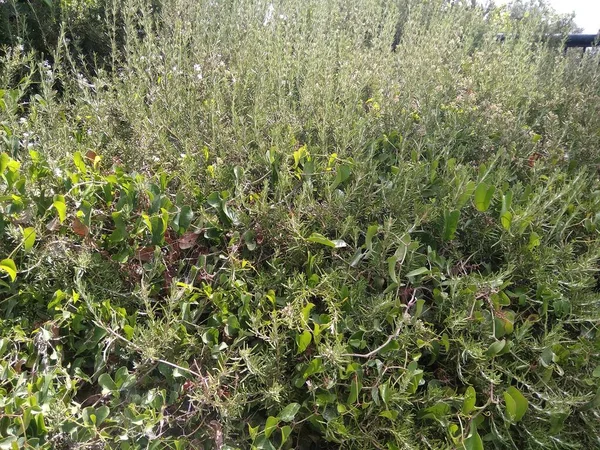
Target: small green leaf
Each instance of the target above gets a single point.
(473, 442)
(469, 401)
(596, 372)
(506, 219)
(79, 162)
(520, 402)
(483, 196)
(495, 348)
(392, 260)
(320, 239)
(417, 272)
(28, 238)
(285, 434)
(450, 224)
(303, 340)
(371, 232)
(4, 160)
(107, 383)
(534, 240)
(184, 218)
(8, 265)
(252, 431)
(355, 388)
(511, 407)
(289, 412)
(392, 415)
(270, 426)
(101, 414)
(61, 207)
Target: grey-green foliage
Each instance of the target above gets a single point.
(275, 220)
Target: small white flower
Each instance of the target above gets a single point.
(57, 172)
(183, 155)
(197, 68)
(22, 120)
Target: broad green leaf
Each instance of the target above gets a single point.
(184, 218)
(289, 412)
(371, 232)
(342, 174)
(469, 400)
(521, 403)
(285, 434)
(506, 219)
(61, 207)
(79, 162)
(495, 348)
(303, 340)
(252, 431)
(534, 240)
(511, 407)
(320, 239)
(596, 372)
(466, 195)
(263, 443)
(8, 265)
(483, 196)
(473, 442)
(107, 384)
(4, 160)
(450, 224)
(101, 414)
(392, 260)
(355, 387)
(417, 272)
(392, 415)
(385, 392)
(28, 238)
(270, 426)
(87, 414)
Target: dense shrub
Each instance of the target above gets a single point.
(253, 224)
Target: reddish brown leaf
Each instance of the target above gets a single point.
(91, 155)
(145, 254)
(80, 228)
(188, 240)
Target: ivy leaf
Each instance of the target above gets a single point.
(483, 196)
(28, 238)
(450, 224)
(469, 401)
(355, 388)
(285, 433)
(107, 383)
(473, 442)
(303, 340)
(416, 272)
(289, 412)
(61, 207)
(270, 426)
(79, 162)
(516, 403)
(495, 348)
(8, 265)
(101, 414)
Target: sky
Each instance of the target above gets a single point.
(587, 12)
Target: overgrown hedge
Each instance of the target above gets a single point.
(341, 247)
